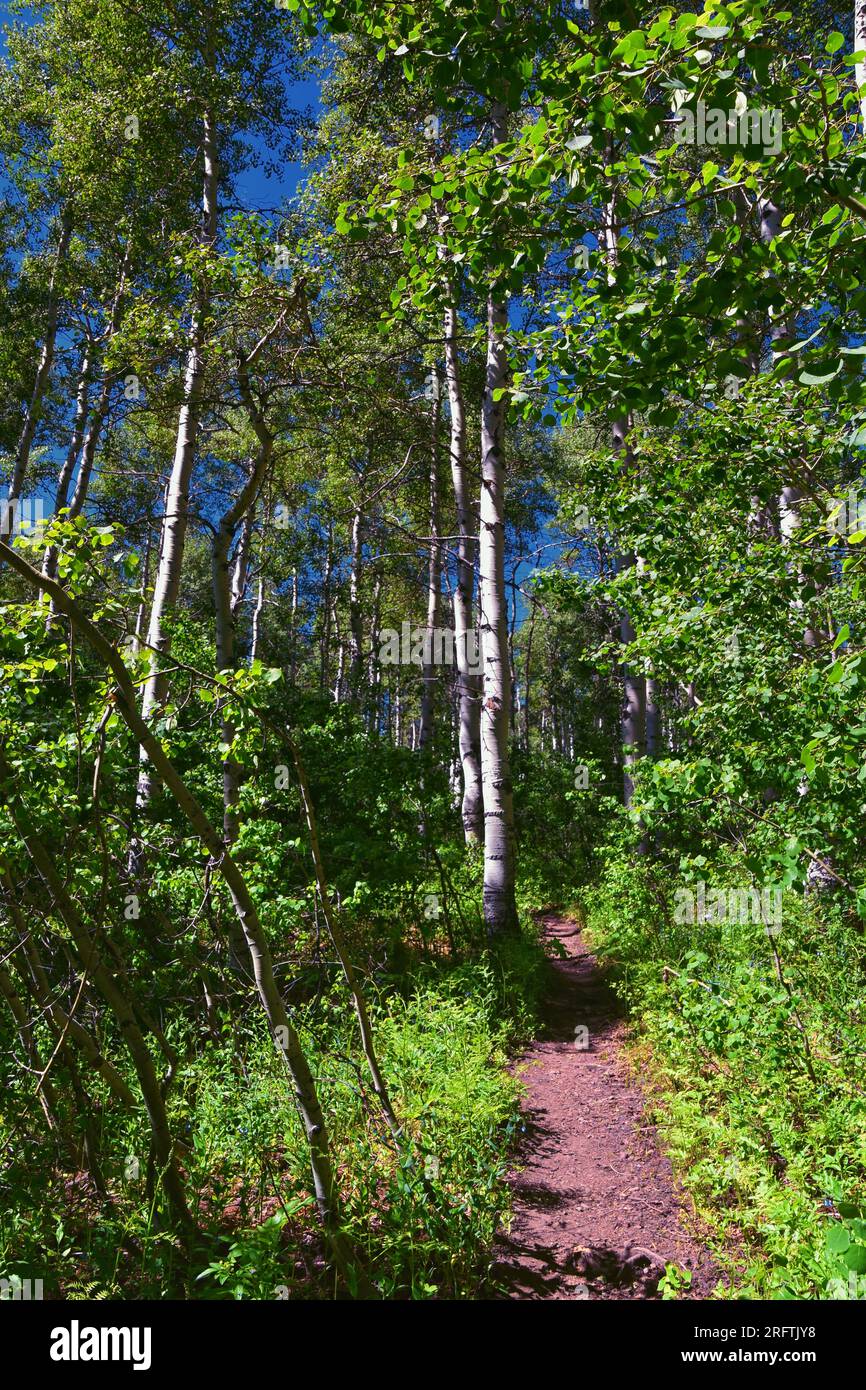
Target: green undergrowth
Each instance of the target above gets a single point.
(423, 1215)
(755, 1046)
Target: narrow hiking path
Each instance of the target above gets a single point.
(596, 1211)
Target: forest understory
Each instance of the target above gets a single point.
(432, 718)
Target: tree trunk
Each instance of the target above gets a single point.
(500, 910)
(468, 683)
(228, 591)
(82, 400)
(174, 522)
(84, 440)
(374, 673)
(652, 717)
(434, 583)
(325, 666)
(356, 625)
(527, 676)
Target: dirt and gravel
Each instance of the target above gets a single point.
(597, 1214)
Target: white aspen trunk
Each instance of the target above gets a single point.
(652, 717)
(325, 667)
(468, 683)
(293, 629)
(82, 402)
(455, 780)
(64, 477)
(87, 440)
(228, 591)
(141, 613)
(375, 671)
(691, 693)
(341, 661)
(500, 910)
(356, 629)
(257, 619)
(174, 522)
(88, 452)
(527, 676)
(398, 713)
(789, 523)
(632, 724)
(512, 624)
(434, 583)
(241, 565)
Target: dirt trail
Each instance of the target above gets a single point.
(596, 1212)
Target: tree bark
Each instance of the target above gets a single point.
(228, 590)
(652, 717)
(434, 583)
(85, 434)
(356, 628)
(500, 910)
(325, 666)
(174, 522)
(468, 682)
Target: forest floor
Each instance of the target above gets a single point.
(597, 1213)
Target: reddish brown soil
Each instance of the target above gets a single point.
(596, 1211)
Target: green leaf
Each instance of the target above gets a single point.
(837, 1240)
(810, 379)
